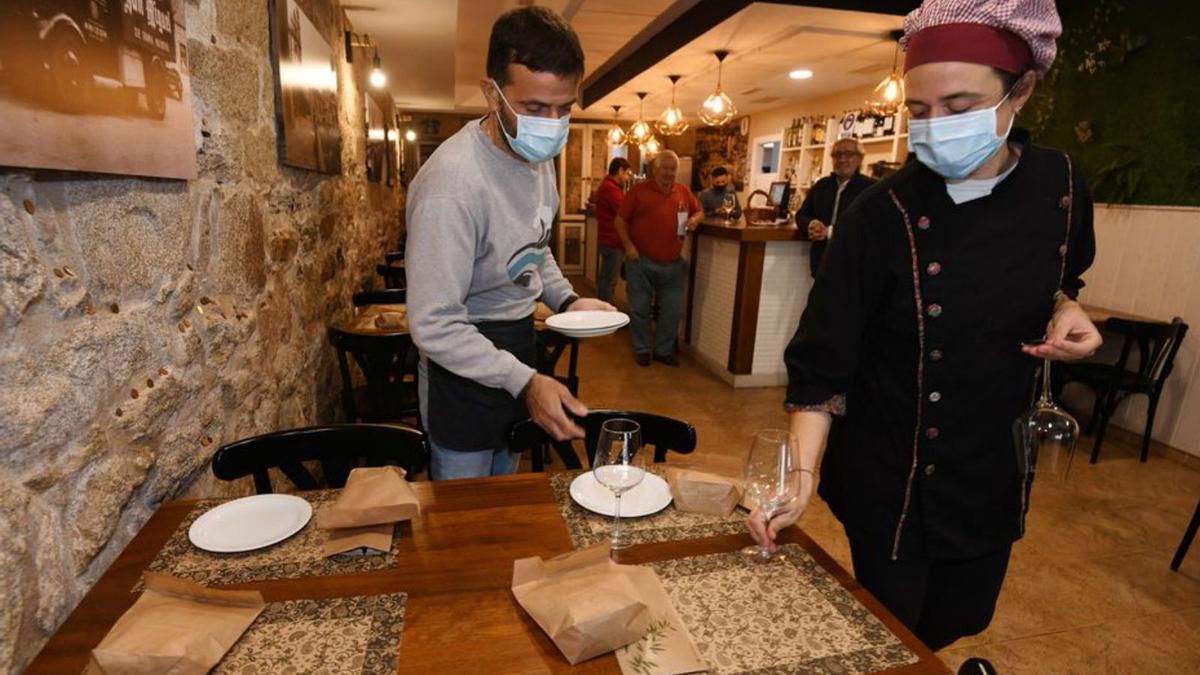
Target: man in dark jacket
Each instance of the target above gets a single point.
(831, 195)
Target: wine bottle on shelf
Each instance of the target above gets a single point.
(878, 130)
(889, 125)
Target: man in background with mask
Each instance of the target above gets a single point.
(830, 196)
(713, 199)
(480, 213)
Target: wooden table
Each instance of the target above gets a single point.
(456, 564)
(363, 322)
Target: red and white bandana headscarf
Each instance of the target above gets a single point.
(1012, 35)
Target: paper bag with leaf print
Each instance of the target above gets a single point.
(175, 627)
(666, 647)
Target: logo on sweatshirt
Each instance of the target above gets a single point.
(524, 264)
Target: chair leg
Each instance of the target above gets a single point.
(1094, 420)
(1106, 411)
(1187, 539)
(1149, 426)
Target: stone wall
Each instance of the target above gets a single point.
(143, 323)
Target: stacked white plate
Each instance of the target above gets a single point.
(649, 496)
(589, 323)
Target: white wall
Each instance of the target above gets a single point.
(1148, 263)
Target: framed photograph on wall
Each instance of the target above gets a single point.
(96, 86)
(306, 85)
(377, 148)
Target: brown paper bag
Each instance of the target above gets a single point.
(177, 627)
(372, 496)
(666, 648)
(703, 492)
(586, 603)
(391, 320)
(359, 541)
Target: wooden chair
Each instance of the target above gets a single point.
(393, 275)
(1157, 345)
(388, 365)
(551, 345)
(339, 448)
(392, 257)
(1188, 536)
(664, 434)
(390, 296)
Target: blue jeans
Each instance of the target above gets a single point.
(447, 464)
(647, 279)
(606, 278)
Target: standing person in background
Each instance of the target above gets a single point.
(653, 220)
(830, 196)
(713, 199)
(606, 200)
(479, 220)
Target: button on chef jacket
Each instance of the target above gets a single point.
(917, 320)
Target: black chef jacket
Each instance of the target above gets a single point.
(917, 318)
(818, 204)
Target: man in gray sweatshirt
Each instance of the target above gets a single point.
(479, 217)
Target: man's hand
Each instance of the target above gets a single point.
(694, 221)
(817, 230)
(1070, 336)
(546, 398)
(584, 304)
(764, 534)
(631, 252)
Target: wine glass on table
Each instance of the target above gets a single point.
(727, 206)
(1045, 435)
(772, 479)
(619, 465)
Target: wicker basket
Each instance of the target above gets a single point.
(759, 214)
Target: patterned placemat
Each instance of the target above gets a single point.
(298, 556)
(785, 616)
(338, 636)
(670, 524)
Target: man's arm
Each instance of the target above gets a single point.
(622, 222)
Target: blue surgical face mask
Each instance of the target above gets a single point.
(538, 138)
(954, 146)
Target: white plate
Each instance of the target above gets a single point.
(589, 323)
(650, 496)
(250, 523)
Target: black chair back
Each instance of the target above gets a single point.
(388, 365)
(664, 434)
(394, 256)
(393, 275)
(339, 448)
(1157, 345)
(389, 296)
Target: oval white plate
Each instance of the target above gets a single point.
(589, 323)
(650, 496)
(250, 523)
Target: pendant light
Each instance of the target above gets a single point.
(616, 135)
(718, 108)
(672, 122)
(640, 131)
(651, 147)
(893, 90)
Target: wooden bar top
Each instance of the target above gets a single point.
(455, 563)
(750, 234)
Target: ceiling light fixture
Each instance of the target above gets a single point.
(651, 147)
(410, 135)
(378, 77)
(718, 108)
(616, 135)
(671, 122)
(640, 132)
(801, 74)
(892, 87)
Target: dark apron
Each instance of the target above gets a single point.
(465, 415)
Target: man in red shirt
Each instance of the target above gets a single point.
(652, 221)
(606, 200)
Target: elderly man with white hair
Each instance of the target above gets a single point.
(830, 196)
(652, 221)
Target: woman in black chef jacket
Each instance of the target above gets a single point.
(908, 363)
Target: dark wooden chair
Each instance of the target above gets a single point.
(551, 345)
(1188, 536)
(392, 257)
(664, 434)
(338, 448)
(1157, 344)
(388, 366)
(389, 296)
(393, 275)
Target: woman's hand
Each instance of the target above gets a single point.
(765, 535)
(1070, 336)
(585, 304)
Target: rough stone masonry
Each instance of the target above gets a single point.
(143, 323)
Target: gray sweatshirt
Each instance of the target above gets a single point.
(478, 232)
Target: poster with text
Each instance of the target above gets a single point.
(306, 90)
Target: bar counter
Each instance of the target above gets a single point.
(747, 290)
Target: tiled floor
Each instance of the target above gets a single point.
(1089, 589)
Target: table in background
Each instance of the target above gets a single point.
(456, 563)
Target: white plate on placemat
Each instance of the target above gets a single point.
(588, 323)
(250, 523)
(650, 496)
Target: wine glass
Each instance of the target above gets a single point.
(619, 465)
(772, 480)
(727, 206)
(1045, 436)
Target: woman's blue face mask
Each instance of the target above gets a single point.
(538, 138)
(954, 146)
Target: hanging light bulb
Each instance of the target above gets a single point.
(893, 90)
(718, 108)
(378, 77)
(671, 122)
(640, 131)
(651, 147)
(616, 135)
